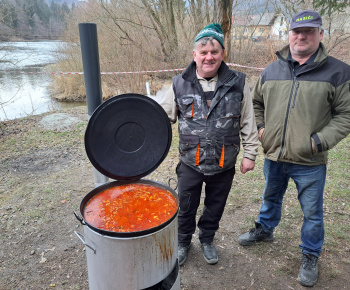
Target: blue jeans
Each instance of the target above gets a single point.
(310, 181)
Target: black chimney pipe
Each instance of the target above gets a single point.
(91, 65)
(92, 77)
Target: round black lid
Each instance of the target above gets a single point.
(128, 136)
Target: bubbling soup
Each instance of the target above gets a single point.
(130, 208)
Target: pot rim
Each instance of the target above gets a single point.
(103, 187)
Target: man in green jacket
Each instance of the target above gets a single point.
(302, 109)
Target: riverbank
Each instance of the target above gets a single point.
(25, 78)
(45, 173)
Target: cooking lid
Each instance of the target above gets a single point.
(128, 136)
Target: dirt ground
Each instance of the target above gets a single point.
(44, 175)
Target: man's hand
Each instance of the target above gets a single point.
(260, 133)
(247, 165)
(314, 150)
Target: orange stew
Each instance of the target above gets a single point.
(130, 208)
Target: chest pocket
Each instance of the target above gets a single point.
(187, 106)
(231, 107)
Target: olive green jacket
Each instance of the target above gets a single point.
(293, 108)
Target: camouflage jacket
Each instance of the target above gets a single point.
(209, 139)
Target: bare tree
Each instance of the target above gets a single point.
(328, 7)
(162, 16)
(200, 12)
(224, 17)
(29, 19)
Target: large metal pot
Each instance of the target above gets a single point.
(127, 137)
(135, 260)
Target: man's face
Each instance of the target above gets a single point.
(304, 41)
(208, 58)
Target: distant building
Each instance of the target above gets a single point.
(260, 26)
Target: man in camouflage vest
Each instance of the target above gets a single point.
(214, 111)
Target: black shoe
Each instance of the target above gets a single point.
(182, 253)
(210, 253)
(308, 272)
(255, 235)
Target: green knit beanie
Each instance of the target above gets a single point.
(214, 30)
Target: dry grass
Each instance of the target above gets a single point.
(72, 88)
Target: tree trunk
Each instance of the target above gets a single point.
(162, 16)
(224, 17)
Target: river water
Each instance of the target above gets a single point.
(24, 80)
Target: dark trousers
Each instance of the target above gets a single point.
(217, 189)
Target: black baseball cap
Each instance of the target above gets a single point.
(306, 18)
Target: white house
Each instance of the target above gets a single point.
(260, 26)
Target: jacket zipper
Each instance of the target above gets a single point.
(286, 118)
(295, 93)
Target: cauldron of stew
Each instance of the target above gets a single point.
(129, 208)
